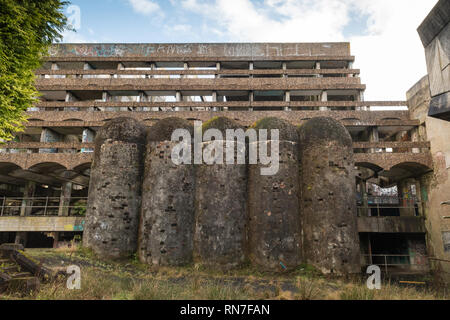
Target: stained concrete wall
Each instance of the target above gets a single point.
(32, 224)
(167, 216)
(328, 193)
(434, 32)
(220, 206)
(237, 212)
(114, 200)
(434, 185)
(274, 217)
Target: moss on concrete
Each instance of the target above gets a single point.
(163, 129)
(287, 131)
(324, 129)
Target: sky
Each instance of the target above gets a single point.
(382, 33)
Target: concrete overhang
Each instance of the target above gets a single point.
(391, 224)
(41, 224)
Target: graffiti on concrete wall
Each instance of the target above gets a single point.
(199, 50)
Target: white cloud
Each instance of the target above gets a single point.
(145, 7)
(389, 52)
(75, 37)
(391, 56)
(178, 28)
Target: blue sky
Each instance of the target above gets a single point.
(382, 33)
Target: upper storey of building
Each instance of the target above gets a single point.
(208, 72)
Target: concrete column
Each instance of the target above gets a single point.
(48, 135)
(214, 99)
(70, 98)
(64, 199)
(218, 69)
(55, 239)
(365, 201)
(87, 66)
(178, 98)
(87, 136)
(27, 202)
(120, 66)
(21, 238)
(360, 97)
(152, 67)
(142, 98)
(415, 138)
(349, 66)
(284, 67)
(373, 137)
(106, 97)
(406, 201)
(287, 98)
(251, 99)
(250, 67)
(55, 67)
(317, 67)
(419, 199)
(323, 97)
(185, 67)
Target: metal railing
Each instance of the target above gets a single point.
(388, 260)
(381, 206)
(42, 206)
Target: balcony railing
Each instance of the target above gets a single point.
(42, 206)
(385, 206)
(389, 261)
(64, 147)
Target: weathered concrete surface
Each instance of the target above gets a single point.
(114, 202)
(434, 185)
(220, 207)
(330, 238)
(42, 224)
(274, 217)
(391, 224)
(434, 32)
(167, 215)
(172, 51)
(157, 84)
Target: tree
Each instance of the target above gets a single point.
(27, 28)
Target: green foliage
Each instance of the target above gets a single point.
(27, 28)
(79, 209)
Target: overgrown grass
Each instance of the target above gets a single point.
(131, 280)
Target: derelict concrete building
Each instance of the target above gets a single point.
(45, 172)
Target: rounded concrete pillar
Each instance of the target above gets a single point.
(167, 215)
(220, 206)
(328, 197)
(114, 199)
(274, 225)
